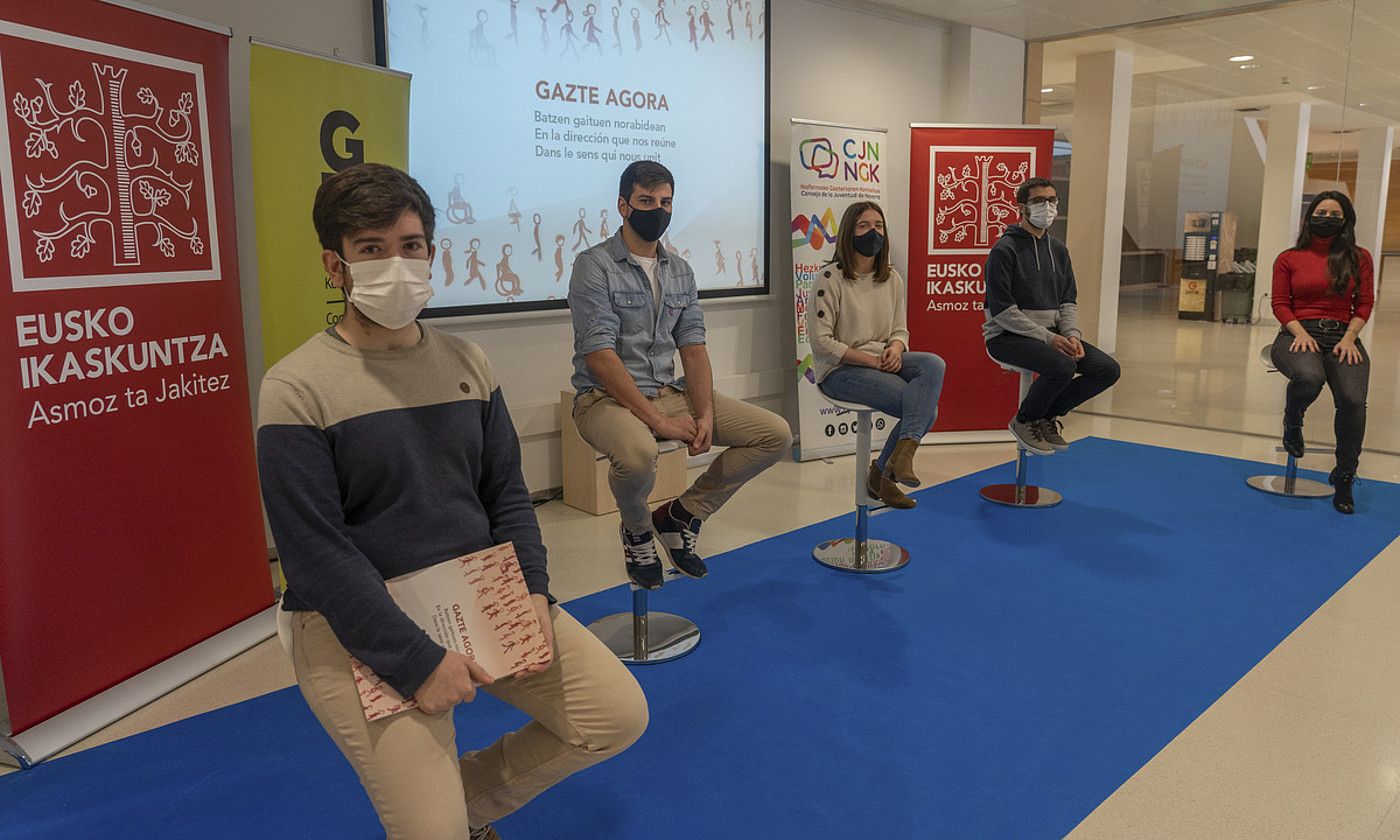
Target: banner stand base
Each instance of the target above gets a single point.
(45, 739)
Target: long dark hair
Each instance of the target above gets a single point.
(845, 243)
(1343, 260)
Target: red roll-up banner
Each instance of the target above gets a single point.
(131, 522)
(962, 195)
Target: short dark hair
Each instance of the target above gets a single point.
(647, 173)
(367, 196)
(1023, 192)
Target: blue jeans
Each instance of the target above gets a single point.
(911, 394)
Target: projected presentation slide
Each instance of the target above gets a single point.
(524, 115)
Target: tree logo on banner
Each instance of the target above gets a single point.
(974, 195)
(109, 182)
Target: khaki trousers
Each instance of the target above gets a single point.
(756, 438)
(586, 708)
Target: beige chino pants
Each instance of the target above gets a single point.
(756, 438)
(586, 708)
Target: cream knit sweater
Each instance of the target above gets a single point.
(855, 314)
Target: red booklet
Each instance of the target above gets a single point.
(476, 605)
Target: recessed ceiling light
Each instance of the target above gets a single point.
(1249, 66)
(1239, 58)
(1315, 87)
(1361, 104)
(1047, 90)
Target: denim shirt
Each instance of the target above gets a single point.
(612, 306)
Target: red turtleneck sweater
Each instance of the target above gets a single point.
(1303, 292)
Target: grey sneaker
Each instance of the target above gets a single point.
(1031, 437)
(1050, 430)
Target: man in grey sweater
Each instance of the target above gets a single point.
(1032, 321)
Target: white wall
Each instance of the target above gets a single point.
(851, 63)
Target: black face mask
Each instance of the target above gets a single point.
(870, 243)
(649, 224)
(1326, 225)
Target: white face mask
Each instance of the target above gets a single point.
(1042, 215)
(390, 292)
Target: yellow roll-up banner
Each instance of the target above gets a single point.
(311, 116)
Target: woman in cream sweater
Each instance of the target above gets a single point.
(860, 347)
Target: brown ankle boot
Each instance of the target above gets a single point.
(900, 466)
(885, 490)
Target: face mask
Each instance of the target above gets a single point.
(1326, 225)
(390, 292)
(1042, 215)
(870, 243)
(649, 224)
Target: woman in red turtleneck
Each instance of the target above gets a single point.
(1323, 294)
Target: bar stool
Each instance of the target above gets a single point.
(1288, 484)
(642, 637)
(1021, 494)
(861, 554)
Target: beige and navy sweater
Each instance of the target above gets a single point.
(855, 314)
(379, 463)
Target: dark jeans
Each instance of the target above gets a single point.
(911, 395)
(1306, 374)
(1057, 390)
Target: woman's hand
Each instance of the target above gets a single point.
(1305, 344)
(1346, 350)
(893, 357)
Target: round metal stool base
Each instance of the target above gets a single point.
(664, 638)
(880, 556)
(1303, 488)
(1029, 496)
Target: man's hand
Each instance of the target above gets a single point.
(704, 434)
(450, 683)
(1078, 346)
(541, 605)
(893, 357)
(675, 428)
(1062, 344)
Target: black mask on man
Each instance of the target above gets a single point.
(649, 224)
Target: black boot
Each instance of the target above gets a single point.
(1293, 439)
(1341, 499)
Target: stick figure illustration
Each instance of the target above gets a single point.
(459, 212)
(514, 213)
(425, 32)
(663, 26)
(603, 223)
(538, 252)
(474, 263)
(446, 247)
(507, 281)
(557, 4)
(753, 265)
(739, 265)
(558, 256)
(617, 30)
(729, 15)
(581, 228)
(748, 18)
(719, 258)
(544, 26)
(514, 21)
(705, 19)
(690, 13)
(590, 29)
(761, 30)
(666, 241)
(479, 52)
(567, 30)
(637, 28)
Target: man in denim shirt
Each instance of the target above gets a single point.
(634, 305)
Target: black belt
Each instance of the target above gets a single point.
(1327, 324)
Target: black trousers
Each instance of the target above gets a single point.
(1308, 371)
(1063, 383)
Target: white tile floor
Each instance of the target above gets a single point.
(1307, 745)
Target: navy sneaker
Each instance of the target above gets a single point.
(678, 536)
(643, 563)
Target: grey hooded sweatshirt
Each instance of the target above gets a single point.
(1030, 287)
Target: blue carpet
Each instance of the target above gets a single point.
(1003, 685)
